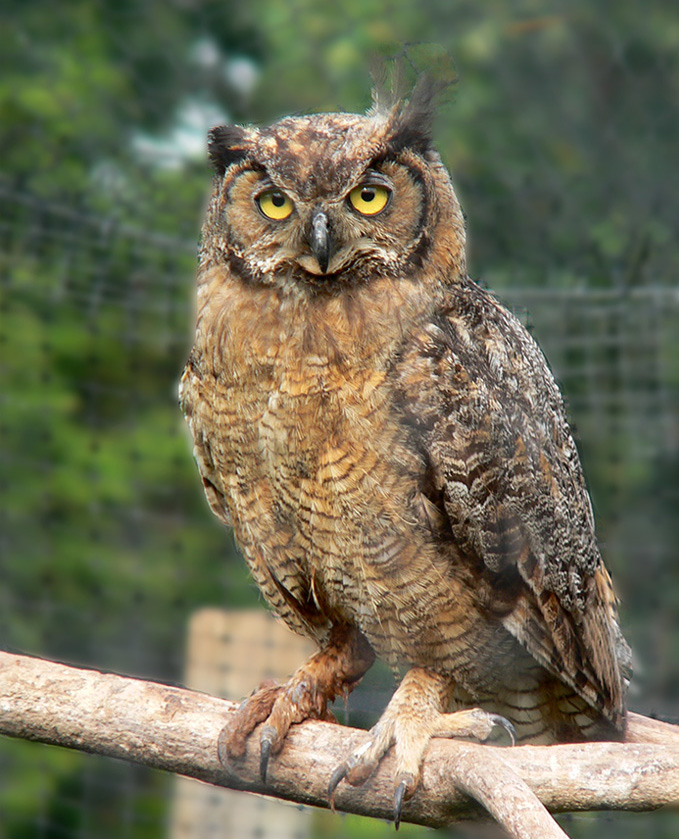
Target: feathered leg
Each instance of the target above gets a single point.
(334, 670)
(415, 714)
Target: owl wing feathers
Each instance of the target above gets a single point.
(202, 451)
(507, 474)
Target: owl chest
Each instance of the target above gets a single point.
(318, 474)
(323, 487)
(310, 441)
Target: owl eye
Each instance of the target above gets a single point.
(275, 204)
(369, 199)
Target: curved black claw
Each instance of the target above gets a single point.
(265, 743)
(399, 797)
(503, 722)
(337, 777)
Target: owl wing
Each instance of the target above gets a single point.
(505, 471)
(190, 401)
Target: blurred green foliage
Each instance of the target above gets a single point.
(562, 134)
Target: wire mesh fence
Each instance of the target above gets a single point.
(107, 547)
(107, 544)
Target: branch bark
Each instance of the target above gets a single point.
(177, 730)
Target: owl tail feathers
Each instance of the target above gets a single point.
(641, 729)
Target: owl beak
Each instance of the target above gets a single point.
(320, 239)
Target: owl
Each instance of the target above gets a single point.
(391, 450)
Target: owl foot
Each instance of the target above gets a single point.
(335, 670)
(414, 715)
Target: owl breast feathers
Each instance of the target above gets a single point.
(390, 447)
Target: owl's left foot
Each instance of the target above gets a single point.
(334, 670)
(414, 715)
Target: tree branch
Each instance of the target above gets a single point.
(177, 730)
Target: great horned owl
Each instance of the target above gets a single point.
(391, 449)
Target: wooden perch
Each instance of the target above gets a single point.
(177, 730)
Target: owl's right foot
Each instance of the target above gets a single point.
(333, 671)
(415, 714)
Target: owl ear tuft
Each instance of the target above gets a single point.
(227, 144)
(410, 118)
(412, 121)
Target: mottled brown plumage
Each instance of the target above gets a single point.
(390, 448)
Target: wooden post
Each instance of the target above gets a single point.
(228, 655)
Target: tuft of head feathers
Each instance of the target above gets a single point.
(411, 116)
(226, 145)
(406, 119)
(411, 120)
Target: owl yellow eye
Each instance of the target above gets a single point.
(369, 199)
(275, 204)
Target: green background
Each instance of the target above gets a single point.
(562, 133)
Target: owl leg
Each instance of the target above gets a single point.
(334, 670)
(415, 714)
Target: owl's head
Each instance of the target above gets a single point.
(333, 199)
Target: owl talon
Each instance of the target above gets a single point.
(337, 777)
(502, 722)
(265, 741)
(402, 792)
